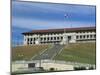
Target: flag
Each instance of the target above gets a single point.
(65, 15)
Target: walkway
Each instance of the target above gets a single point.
(50, 53)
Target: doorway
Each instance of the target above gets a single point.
(69, 38)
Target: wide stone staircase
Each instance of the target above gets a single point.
(49, 53)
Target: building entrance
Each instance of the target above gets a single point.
(69, 39)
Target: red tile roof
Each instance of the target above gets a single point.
(60, 30)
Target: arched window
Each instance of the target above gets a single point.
(77, 37)
(44, 38)
(48, 38)
(57, 38)
(80, 36)
(51, 38)
(90, 36)
(27, 39)
(41, 38)
(84, 36)
(31, 39)
(61, 38)
(54, 38)
(87, 36)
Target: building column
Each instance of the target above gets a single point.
(73, 39)
(65, 39)
(37, 41)
(25, 40)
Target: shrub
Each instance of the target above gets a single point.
(80, 68)
(52, 69)
(91, 68)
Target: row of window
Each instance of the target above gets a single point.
(48, 38)
(85, 36)
(57, 33)
(87, 32)
(30, 42)
(60, 38)
(52, 38)
(56, 42)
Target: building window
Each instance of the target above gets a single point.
(80, 36)
(57, 38)
(77, 37)
(51, 38)
(30, 39)
(44, 38)
(69, 37)
(30, 42)
(83, 36)
(41, 38)
(61, 38)
(34, 39)
(27, 39)
(31, 65)
(48, 38)
(54, 38)
(87, 36)
(90, 36)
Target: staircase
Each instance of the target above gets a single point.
(50, 53)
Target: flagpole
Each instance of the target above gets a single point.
(65, 15)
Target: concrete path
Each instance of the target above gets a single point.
(50, 53)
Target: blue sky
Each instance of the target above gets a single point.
(28, 16)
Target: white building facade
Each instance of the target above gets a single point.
(60, 36)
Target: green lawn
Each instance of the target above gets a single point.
(27, 52)
(80, 52)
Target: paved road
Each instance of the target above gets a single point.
(50, 53)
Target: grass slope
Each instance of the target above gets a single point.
(80, 52)
(27, 52)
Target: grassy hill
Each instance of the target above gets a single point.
(27, 52)
(80, 52)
